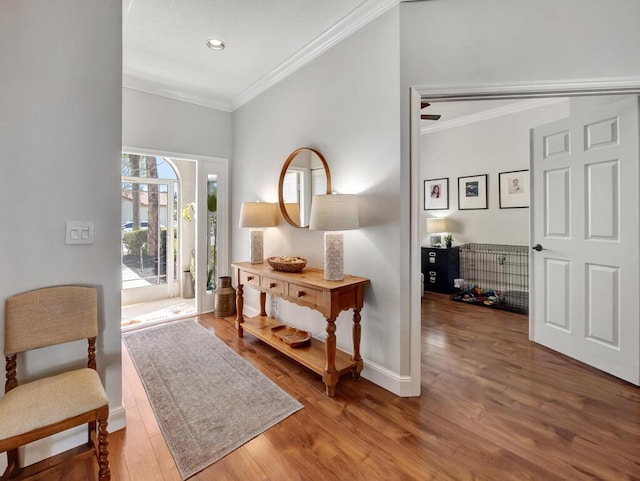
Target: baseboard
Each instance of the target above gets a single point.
(117, 419)
(402, 386)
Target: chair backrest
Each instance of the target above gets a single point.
(47, 316)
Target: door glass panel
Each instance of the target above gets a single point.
(212, 228)
(145, 213)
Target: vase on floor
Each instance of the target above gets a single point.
(224, 298)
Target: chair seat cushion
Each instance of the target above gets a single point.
(49, 400)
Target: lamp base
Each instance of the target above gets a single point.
(333, 256)
(257, 247)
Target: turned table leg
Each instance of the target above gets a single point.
(330, 377)
(263, 303)
(239, 308)
(355, 332)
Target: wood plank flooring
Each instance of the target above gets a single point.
(494, 406)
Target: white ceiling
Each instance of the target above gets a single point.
(164, 49)
(464, 112)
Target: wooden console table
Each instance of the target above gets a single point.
(307, 288)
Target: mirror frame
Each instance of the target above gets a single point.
(283, 172)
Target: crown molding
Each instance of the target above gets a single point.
(156, 88)
(357, 18)
(490, 114)
(534, 89)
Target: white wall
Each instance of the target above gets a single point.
(345, 104)
(60, 138)
(167, 125)
(499, 144)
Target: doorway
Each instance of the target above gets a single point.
(478, 97)
(150, 240)
(184, 198)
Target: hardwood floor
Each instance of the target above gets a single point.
(494, 406)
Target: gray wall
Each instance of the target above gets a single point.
(345, 104)
(60, 132)
(167, 125)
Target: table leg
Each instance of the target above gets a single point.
(355, 332)
(330, 377)
(239, 307)
(263, 303)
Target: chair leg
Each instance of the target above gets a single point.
(104, 473)
(13, 463)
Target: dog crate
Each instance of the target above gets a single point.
(494, 275)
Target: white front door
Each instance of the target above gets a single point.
(585, 204)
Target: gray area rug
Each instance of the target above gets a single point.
(207, 399)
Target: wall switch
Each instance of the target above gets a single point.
(79, 232)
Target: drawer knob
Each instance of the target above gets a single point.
(249, 278)
(300, 293)
(272, 285)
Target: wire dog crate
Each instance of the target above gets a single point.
(494, 275)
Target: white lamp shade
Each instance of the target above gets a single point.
(334, 212)
(257, 214)
(436, 224)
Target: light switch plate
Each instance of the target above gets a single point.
(78, 232)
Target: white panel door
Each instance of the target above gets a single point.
(585, 204)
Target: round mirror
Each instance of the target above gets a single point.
(304, 174)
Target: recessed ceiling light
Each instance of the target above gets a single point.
(215, 44)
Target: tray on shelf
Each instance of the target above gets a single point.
(290, 335)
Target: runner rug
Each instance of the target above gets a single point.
(207, 399)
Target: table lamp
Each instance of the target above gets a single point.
(257, 215)
(436, 225)
(332, 213)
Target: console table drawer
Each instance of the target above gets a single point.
(273, 286)
(250, 279)
(305, 294)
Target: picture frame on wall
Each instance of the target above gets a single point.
(513, 188)
(436, 194)
(472, 192)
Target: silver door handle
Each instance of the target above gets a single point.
(538, 248)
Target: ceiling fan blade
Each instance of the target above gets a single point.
(430, 117)
(424, 105)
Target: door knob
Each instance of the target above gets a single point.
(537, 247)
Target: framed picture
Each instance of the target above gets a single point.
(514, 189)
(472, 192)
(436, 194)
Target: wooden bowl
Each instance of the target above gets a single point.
(287, 263)
(291, 336)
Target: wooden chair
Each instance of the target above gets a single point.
(40, 408)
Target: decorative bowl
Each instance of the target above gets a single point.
(291, 336)
(287, 263)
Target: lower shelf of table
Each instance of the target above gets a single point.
(312, 355)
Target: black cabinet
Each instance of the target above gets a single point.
(440, 266)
